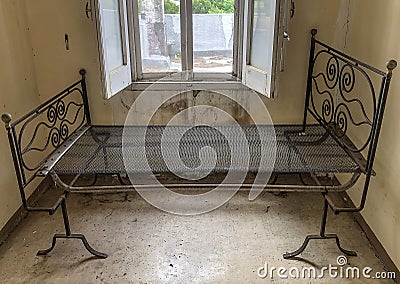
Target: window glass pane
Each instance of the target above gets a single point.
(160, 35)
(262, 34)
(213, 35)
(112, 33)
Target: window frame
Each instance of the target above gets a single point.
(186, 24)
(236, 79)
(266, 80)
(113, 80)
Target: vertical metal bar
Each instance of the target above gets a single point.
(309, 77)
(17, 150)
(378, 119)
(65, 217)
(16, 165)
(323, 221)
(85, 99)
(375, 132)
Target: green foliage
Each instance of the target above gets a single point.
(170, 7)
(201, 7)
(213, 6)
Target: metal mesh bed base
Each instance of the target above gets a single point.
(99, 150)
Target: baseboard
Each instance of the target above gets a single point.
(376, 244)
(21, 213)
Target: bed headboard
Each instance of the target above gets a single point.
(347, 97)
(36, 135)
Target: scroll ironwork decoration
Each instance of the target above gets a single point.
(334, 90)
(56, 120)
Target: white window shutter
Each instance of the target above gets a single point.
(113, 43)
(265, 37)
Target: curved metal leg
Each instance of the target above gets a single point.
(345, 251)
(69, 235)
(53, 244)
(302, 248)
(73, 236)
(321, 236)
(317, 237)
(88, 247)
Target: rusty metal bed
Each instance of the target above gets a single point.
(61, 130)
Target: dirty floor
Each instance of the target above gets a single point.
(146, 245)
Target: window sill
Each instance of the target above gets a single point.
(187, 85)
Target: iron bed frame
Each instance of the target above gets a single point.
(330, 106)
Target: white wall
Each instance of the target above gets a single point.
(18, 92)
(374, 37)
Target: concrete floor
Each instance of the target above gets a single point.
(146, 245)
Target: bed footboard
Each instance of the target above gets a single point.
(34, 137)
(38, 135)
(348, 98)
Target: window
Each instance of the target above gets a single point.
(213, 36)
(142, 40)
(266, 26)
(160, 36)
(112, 34)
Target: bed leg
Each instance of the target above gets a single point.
(121, 181)
(68, 235)
(94, 180)
(321, 236)
(301, 179)
(273, 179)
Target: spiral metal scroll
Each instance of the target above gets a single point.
(335, 88)
(60, 119)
